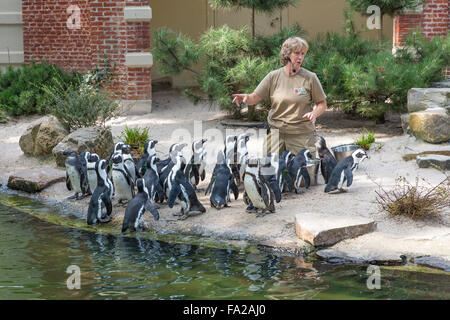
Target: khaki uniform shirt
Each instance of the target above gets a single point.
(291, 97)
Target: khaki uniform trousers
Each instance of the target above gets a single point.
(277, 142)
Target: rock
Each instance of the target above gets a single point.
(392, 117)
(338, 256)
(42, 136)
(92, 139)
(423, 98)
(434, 262)
(35, 180)
(405, 123)
(426, 161)
(440, 84)
(432, 125)
(328, 230)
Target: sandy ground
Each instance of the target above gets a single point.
(174, 118)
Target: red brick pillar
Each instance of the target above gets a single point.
(80, 34)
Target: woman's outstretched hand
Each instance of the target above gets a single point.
(311, 116)
(238, 98)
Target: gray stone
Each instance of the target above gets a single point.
(35, 180)
(431, 125)
(42, 136)
(434, 262)
(427, 160)
(405, 123)
(92, 139)
(423, 98)
(338, 256)
(441, 84)
(328, 230)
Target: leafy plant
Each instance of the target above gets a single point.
(366, 141)
(21, 89)
(415, 201)
(80, 105)
(135, 137)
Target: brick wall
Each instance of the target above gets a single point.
(102, 33)
(433, 19)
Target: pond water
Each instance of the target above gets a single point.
(35, 254)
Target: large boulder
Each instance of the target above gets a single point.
(35, 180)
(423, 98)
(42, 136)
(93, 139)
(431, 125)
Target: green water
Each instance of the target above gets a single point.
(34, 256)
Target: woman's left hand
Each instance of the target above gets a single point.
(311, 116)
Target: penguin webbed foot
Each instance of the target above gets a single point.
(183, 216)
(251, 209)
(84, 195)
(75, 196)
(105, 220)
(261, 214)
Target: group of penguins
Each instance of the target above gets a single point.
(175, 180)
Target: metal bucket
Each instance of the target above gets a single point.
(344, 150)
(313, 168)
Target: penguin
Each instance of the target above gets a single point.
(91, 173)
(344, 171)
(230, 152)
(242, 152)
(297, 169)
(180, 188)
(327, 160)
(152, 182)
(76, 174)
(284, 179)
(128, 161)
(136, 207)
(165, 171)
(222, 181)
(121, 177)
(192, 171)
(257, 190)
(269, 172)
(149, 150)
(202, 166)
(102, 196)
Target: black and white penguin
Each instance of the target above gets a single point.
(136, 207)
(298, 171)
(122, 179)
(257, 191)
(284, 179)
(344, 171)
(180, 188)
(149, 150)
(102, 196)
(222, 182)
(91, 173)
(269, 172)
(76, 174)
(231, 154)
(152, 182)
(327, 160)
(128, 161)
(242, 152)
(192, 171)
(165, 171)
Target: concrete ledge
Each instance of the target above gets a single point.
(410, 11)
(135, 107)
(11, 18)
(137, 14)
(139, 59)
(11, 57)
(320, 230)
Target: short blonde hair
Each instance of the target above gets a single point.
(290, 45)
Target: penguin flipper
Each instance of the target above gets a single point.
(349, 176)
(174, 192)
(208, 188)
(153, 210)
(264, 191)
(68, 182)
(305, 175)
(246, 198)
(203, 175)
(196, 174)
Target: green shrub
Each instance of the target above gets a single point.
(80, 105)
(21, 89)
(135, 137)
